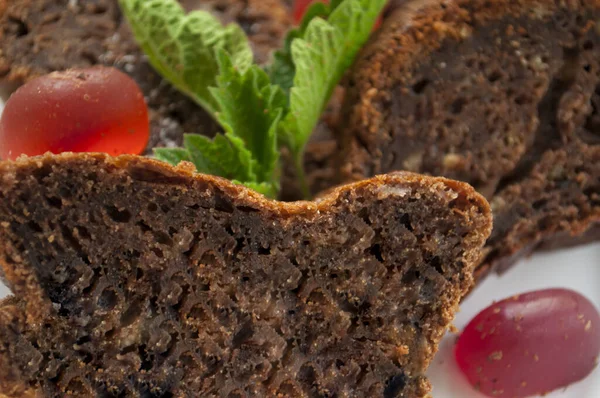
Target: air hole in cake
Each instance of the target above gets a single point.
(110, 334)
(143, 226)
(117, 215)
(162, 238)
(247, 209)
(264, 251)
(494, 76)
(139, 273)
(405, 220)
(522, 99)
(188, 360)
(54, 202)
(20, 28)
(222, 204)
(420, 86)
(157, 252)
(108, 299)
(98, 8)
(436, 263)
(242, 335)
(457, 105)
(375, 251)
(591, 132)
(42, 172)
(538, 204)
(199, 314)
(83, 232)
(35, 227)
(317, 297)
(307, 376)
(83, 340)
(71, 240)
(93, 282)
(128, 349)
(86, 357)
(203, 287)
(78, 387)
(89, 56)
(131, 314)
(220, 7)
(394, 385)
(410, 276)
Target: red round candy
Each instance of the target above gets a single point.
(530, 344)
(300, 7)
(97, 109)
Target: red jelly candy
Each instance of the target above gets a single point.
(81, 110)
(300, 7)
(530, 344)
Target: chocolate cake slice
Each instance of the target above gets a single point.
(504, 95)
(42, 36)
(137, 279)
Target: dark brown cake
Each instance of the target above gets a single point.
(137, 279)
(42, 36)
(504, 95)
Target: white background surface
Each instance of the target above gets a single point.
(577, 269)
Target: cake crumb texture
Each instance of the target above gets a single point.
(136, 279)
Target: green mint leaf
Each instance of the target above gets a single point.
(172, 155)
(224, 156)
(335, 3)
(182, 48)
(283, 70)
(325, 51)
(250, 109)
(270, 190)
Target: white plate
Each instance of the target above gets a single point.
(577, 269)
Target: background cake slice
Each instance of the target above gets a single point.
(503, 95)
(43, 36)
(136, 278)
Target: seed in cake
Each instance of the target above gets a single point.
(530, 344)
(80, 110)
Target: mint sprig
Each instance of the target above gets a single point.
(250, 110)
(183, 48)
(283, 70)
(321, 57)
(259, 112)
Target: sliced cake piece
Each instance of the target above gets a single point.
(138, 279)
(504, 95)
(42, 36)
